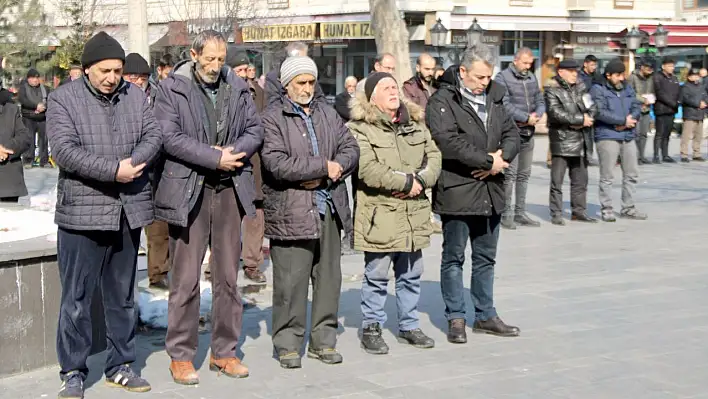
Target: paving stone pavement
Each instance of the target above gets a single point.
(606, 311)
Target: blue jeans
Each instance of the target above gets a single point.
(483, 234)
(407, 267)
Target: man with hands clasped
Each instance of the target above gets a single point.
(307, 153)
(211, 128)
(103, 135)
(618, 111)
(477, 139)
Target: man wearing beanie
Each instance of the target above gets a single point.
(694, 99)
(273, 88)
(211, 129)
(668, 90)
(307, 153)
(252, 226)
(569, 122)
(394, 182)
(33, 100)
(618, 111)
(103, 137)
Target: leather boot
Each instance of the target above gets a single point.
(456, 333)
(657, 150)
(184, 373)
(229, 366)
(665, 151)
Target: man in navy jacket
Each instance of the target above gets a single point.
(618, 111)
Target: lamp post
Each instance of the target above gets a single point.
(474, 33)
(661, 38)
(438, 39)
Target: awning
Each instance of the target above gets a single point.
(679, 35)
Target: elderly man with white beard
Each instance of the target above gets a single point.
(307, 153)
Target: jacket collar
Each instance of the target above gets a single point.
(182, 77)
(111, 98)
(518, 74)
(365, 111)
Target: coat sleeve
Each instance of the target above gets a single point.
(557, 112)
(175, 142)
(662, 95)
(341, 105)
(516, 114)
(67, 151)
(635, 109)
(21, 139)
(604, 113)
(347, 154)
(148, 149)
(430, 173)
(443, 129)
(251, 138)
(276, 158)
(375, 174)
(510, 140)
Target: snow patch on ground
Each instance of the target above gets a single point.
(152, 305)
(18, 225)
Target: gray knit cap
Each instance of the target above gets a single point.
(294, 66)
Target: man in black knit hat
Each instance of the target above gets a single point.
(103, 135)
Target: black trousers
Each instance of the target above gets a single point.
(40, 128)
(295, 263)
(664, 125)
(88, 258)
(578, 184)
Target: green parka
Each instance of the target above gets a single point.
(391, 156)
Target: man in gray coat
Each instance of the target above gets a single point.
(211, 128)
(103, 136)
(524, 103)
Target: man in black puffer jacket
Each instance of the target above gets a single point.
(694, 99)
(478, 140)
(667, 88)
(569, 124)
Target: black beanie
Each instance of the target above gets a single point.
(235, 58)
(101, 47)
(32, 73)
(135, 64)
(615, 66)
(374, 79)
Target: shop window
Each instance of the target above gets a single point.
(512, 41)
(694, 4)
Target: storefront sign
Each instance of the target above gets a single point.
(194, 27)
(346, 30)
(589, 40)
(624, 4)
(459, 37)
(278, 33)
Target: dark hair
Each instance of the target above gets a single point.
(668, 60)
(204, 37)
(590, 58)
(166, 61)
(380, 57)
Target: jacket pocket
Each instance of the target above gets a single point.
(415, 153)
(385, 150)
(176, 170)
(381, 226)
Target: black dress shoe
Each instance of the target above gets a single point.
(644, 161)
(416, 338)
(456, 332)
(699, 159)
(557, 220)
(525, 220)
(668, 160)
(656, 160)
(495, 326)
(685, 160)
(583, 217)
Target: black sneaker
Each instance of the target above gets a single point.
(72, 387)
(127, 379)
(416, 338)
(326, 356)
(372, 341)
(290, 360)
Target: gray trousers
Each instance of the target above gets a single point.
(578, 173)
(516, 178)
(607, 152)
(295, 263)
(642, 130)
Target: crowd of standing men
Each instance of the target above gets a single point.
(192, 155)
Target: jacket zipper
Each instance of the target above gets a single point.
(371, 226)
(526, 93)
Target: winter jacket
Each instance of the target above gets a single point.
(13, 136)
(392, 156)
(522, 97)
(465, 144)
(667, 89)
(259, 100)
(275, 92)
(291, 210)
(613, 106)
(642, 85)
(691, 96)
(30, 97)
(90, 133)
(588, 80)
(341, 105)
(566, 109)
(189, 156)
(414, 89)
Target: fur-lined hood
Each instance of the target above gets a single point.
(365, 111)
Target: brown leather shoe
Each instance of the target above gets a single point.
(230, 366)
(255, 275)
(184, 373)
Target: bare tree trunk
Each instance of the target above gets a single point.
(391, 35)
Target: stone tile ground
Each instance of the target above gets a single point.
(606, 311)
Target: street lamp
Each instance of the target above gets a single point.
(634, 39)
(474, 33)
(661, 37)
(438, 34)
